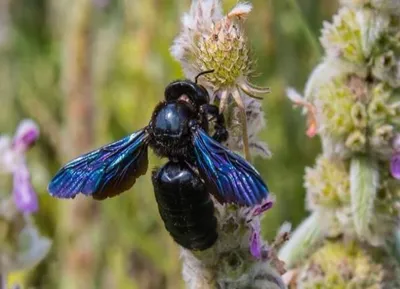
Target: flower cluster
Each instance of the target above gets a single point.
(349, 266)
(22, 246)
(328, 187)
(357, 117)
(327, 184)
(351, 101)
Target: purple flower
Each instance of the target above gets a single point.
(395, 160)
(395, 165)
(261, 208)
(12, 160)
(26, 135)
(25, 197)
(257, 246)
(256, 242)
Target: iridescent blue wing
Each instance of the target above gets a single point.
(105, 172)
(231, 178)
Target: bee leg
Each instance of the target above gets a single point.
(221, 133)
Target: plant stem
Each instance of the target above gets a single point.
(78, 231)
(312, 39)
(246, 147)
(243, 122)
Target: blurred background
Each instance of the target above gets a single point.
(90, 72)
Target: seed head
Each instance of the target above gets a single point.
(210, 41)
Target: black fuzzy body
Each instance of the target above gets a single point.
(185, 206)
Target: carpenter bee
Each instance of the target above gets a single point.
(198, 165)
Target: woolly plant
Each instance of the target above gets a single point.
(352, 103)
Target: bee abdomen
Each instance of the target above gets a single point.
(185, 206)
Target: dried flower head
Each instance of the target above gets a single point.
(210, 41)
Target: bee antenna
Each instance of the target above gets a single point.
(202, 73)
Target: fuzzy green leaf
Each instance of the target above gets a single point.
(364, 180)
(304, 239)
